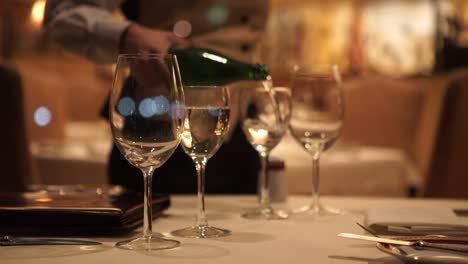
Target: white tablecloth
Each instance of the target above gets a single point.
(296, 240)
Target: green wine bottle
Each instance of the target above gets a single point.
(207, 67)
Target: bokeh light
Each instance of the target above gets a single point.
(126, 106)
(42, 116)
(147, 107)
(158, 105)
(182, 28)
(162, 105)
(217, 15)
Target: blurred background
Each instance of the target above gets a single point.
(405, 85)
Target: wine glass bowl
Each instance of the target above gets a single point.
(146, 117)
(317, 120)
(205, 126)
(265, 117)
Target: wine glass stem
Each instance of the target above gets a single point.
(147, 212)
(315, 182)
(200, 165)
(264, 193)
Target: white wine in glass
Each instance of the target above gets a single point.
(146, 116)
(265, 116)
(316, 121)
(205, 127)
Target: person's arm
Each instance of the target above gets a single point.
(87, 28)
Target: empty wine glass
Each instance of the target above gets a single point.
(146, 116)
(316, 121)
(265, 117)
(205, 126)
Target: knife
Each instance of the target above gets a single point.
(416, 243)
(34, 241)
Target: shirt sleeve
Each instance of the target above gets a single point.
(87, 28)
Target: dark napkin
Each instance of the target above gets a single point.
(74, 213)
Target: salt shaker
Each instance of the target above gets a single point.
(278, 181)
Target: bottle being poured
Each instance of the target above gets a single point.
(207, 67)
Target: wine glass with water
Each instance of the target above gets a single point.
(316, 122)
(265, 117)
(146, 116)
(205, 126)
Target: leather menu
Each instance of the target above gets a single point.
(74, 213)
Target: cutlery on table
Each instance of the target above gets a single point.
(30, 241)
(416, 243)
(368, 230)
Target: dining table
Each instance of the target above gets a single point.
(298, 239)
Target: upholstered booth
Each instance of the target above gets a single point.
(15, 158)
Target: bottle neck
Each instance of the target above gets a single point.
(259, 72)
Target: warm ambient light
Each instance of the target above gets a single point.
(37, 12)
(43, 200)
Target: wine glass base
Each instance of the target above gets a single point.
(266, 214)
(201, 232)
(147, 243)
(319, 211)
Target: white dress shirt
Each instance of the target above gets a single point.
(85, 27)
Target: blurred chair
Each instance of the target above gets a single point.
(383, 112)
(386, 112)
(15, 157)
(448, 171)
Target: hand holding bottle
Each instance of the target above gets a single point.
(198, 66)
(140, 39)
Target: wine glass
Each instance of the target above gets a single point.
(205, 125)
(265, 117)
(316, 122)
(146, 116)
